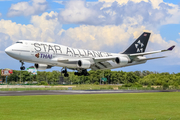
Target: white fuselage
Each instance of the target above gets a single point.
(56, 55)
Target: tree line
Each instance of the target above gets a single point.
(95, 77)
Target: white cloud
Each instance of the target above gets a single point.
(40, 30)
(155, 3)
(27, 8)
(116, 12)
(95, 37)
(0, 14)
(76, 12)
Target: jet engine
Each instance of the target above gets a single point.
(42, 66)
(121, 60)
(84, 64)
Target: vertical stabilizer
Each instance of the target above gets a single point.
(139, 45)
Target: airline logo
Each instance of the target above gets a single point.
(139, 46)
(37, 55)
(41, 55)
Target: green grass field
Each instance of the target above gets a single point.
(130, 106)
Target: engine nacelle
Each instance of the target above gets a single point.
(42, 66)
(121, 60)
(84, 64)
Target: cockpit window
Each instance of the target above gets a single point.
(20, 42)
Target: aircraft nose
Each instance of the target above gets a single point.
(8, 50)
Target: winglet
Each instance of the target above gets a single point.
(171, 48)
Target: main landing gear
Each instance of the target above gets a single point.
(22, 67)
(64, 72)
(80, 73)
(83, 72)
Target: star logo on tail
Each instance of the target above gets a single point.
(139, 46)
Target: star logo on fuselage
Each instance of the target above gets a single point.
(139, 46)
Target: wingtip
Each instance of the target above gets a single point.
(171, 48)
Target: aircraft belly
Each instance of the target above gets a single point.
(68, 64)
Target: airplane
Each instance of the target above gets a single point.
(46, 55)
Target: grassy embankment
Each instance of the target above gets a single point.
(136, 106)
(83, 87)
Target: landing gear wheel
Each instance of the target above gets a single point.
(65, 72)
(22, 67)
(76, 73)
(83, 72)
(66, 75)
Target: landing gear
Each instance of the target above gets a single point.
(64, 72)
(22, 67)
(79, 73)
(83, 72)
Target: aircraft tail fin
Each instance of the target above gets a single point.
(139, 45)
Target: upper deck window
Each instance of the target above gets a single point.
(20, 42)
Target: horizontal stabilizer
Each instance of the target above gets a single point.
(151, 58)
(152, 52)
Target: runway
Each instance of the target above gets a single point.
(72, 92)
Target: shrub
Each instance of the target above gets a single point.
(176, 85)
(119, 87)
(149, 85)
(165, 86)
(103, 88)
(110, 88)
(96, 83)
(43, 83)
(127, 85)
(137, 85)
(152, 88)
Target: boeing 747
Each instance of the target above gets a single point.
(46, 55)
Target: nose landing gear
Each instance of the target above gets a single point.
(22, 67)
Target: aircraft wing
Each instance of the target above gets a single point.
(96, 60)
(103, 59)
(152, 52)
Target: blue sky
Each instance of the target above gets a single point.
(106, 25)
